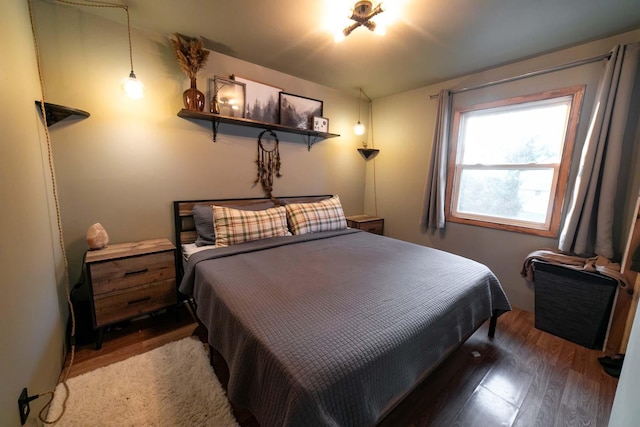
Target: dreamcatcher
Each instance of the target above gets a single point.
(268, 160)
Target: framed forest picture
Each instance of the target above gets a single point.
(261, 100)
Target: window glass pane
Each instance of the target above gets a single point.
(522, 195)
(508, 156)
(533, 133)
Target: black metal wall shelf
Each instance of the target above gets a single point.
(368, 152)
(311, 135)
(54, 112)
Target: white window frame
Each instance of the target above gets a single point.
(550, 227)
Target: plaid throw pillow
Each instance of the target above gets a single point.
(326, 215)
(233, 226)
(203, 219)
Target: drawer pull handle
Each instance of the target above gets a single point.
(136, 301)
(131, 273)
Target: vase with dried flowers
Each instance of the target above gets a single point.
(191, 57)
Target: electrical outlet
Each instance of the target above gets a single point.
(23, 404)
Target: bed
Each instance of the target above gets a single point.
(333, 327)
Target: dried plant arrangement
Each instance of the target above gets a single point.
(190, 53)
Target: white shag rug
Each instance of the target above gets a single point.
(173, 385)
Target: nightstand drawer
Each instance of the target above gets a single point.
(132, 302)
(370, 224)
(375, 227)
(124, 273)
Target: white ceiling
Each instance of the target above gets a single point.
(433, 40)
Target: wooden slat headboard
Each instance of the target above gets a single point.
(185, 230)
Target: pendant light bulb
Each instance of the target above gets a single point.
(133, 87)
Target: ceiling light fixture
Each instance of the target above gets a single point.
(133, 87)
(362, 13)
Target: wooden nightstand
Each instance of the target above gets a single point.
(130, 279)
(372, 224)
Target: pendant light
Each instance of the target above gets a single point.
(133, 87)
(359, 129)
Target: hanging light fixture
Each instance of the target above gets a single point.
(133, 87)
(359, 128)
(362, 13)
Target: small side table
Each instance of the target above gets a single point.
(130, 279)
(371, 224)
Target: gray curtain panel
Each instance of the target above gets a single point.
(588, 227)
(433, 216)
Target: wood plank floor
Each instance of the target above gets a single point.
(524, 377)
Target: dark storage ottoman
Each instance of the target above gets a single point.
(574, 305)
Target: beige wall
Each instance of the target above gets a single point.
(403, 125)
(125, 164)
(31, 333)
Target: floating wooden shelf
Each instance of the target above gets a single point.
(368, 152)
(55, 113)
(216, 119)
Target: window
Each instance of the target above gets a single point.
(510, 159)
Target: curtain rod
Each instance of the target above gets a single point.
(531, 74)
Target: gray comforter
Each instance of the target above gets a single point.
(335, 328)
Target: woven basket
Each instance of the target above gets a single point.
(573, 305)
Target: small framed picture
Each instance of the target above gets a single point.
(261, 101)
(298, 111)
(320, 124)
(227, 97)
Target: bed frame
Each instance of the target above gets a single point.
(185, 233)
(185, 230)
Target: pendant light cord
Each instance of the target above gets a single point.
(104, 4)
(373, 145)
(359, 102)
(54, 189)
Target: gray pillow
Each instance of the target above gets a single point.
(203, 219)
